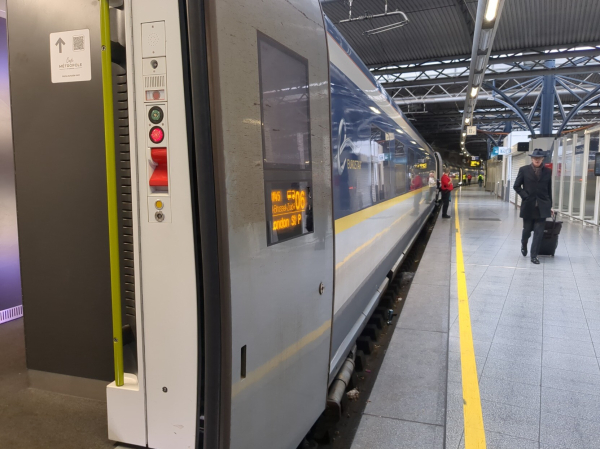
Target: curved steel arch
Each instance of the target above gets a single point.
(593, 95)
(508, 102)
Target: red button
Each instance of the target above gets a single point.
(157, 134)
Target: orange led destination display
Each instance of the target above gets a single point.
(289, 206)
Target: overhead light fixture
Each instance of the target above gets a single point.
(491, 10)
(480, 63)
(474, 91)
(484, 38)
(464, 134)
(375, 110)
(412, 141)
(467, 120)
(399, 130)
(477, 79)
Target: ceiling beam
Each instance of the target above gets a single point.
(595, 68)
(497, 60)
(494, 53)
(483, 96)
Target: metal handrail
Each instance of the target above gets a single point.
(111, 192)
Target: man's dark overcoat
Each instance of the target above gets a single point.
(530, 188)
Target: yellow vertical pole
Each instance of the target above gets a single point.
(111, 191)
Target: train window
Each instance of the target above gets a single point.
(380, 165)
(400, 161)
(284, 106)
(287, 166)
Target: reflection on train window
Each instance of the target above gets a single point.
(380, 176)
(284, 106)
(420, 164)
(287, 168)
(400, 161)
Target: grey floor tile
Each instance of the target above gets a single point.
(509, 392)
(593, 324)
(495, 440)
(519, 332)
(570, 362)
(584, 348)
(510, 420)
(380, 432)
(571, 381)
(426, 308)
(570, 403)
(411, 384)
(595, 333)
(526, 321)
(517, 353)
(578, 323)
(570, 333)
(513, 371)
(535, 343)
(569, 432)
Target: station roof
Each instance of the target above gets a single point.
(412, 61)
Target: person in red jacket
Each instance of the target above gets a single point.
(446, 187)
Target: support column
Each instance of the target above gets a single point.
(547, 111)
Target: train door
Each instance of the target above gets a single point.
(270, 115)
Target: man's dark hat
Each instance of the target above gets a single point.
(538, 152)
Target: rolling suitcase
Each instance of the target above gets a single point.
(550, 237)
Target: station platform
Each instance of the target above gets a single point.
(535, 331)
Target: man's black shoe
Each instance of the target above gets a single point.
(524, 250)
(535, 260)
(446, 216)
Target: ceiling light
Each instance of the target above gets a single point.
(474, 91)
(464, 134)
(412, 141)
(479, 63)
(399, 130)
(375, 110)
(467, 120)
(484, 39)
(477, 79)
(491, 10)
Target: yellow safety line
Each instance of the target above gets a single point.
(474, 430)
(341, 224)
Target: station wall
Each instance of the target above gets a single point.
(58, 141)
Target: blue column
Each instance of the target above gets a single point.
(547, 112)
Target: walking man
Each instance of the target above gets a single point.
(480, 180)
(446, 187)
(534, 186)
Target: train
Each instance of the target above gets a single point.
(276, 188)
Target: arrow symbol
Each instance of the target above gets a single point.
(60, 43)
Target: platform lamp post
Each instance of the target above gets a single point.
(486, 25)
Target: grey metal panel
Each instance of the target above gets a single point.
(276, 310)
(61, 194)
(10, 278)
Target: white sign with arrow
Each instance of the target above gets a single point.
(70, 57)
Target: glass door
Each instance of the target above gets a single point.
(566, 175)
(557, 164)
(577, 180)
(590, 188)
